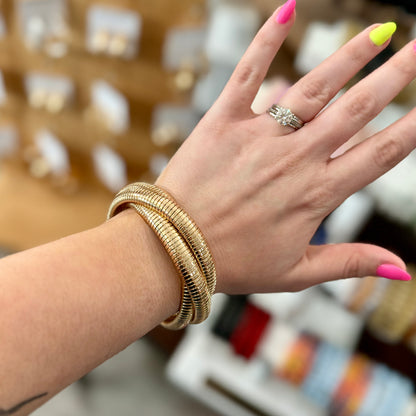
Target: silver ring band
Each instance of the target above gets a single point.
(285, 117)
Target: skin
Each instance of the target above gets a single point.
(257, 190)
(284, 183)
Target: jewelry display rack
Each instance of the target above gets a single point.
(77, 200)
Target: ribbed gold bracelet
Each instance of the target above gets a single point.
(195, 296)
(159, 200)
(184, 243)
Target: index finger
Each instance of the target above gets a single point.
(241, 89)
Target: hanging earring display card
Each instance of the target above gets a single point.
(111, 106)
(54, 152)
(172, 124)
(114, 32)
(3, 92)
(109, 167)
(3, 29)
(51, 93)
(9, 141)
(184, 48)
(44, 25)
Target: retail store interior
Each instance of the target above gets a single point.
(95, 94)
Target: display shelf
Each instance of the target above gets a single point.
(33, 213)
(143, 77)
(280, 378)
(207, 368)
(142, 81)
(80, 135)
(232, 387)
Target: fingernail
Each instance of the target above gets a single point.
(382, 33)
(414, 46)
(286, 11)
(389, 271)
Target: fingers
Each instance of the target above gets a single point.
(340, 261)
(364, 101)
(372, 158)
(249, 74)
(313, 92)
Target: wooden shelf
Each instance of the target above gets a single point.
(32, 212)
(80, 133)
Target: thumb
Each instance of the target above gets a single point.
(340, 261)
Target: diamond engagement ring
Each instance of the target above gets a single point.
(285, 117)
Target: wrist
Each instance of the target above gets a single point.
(147, 269)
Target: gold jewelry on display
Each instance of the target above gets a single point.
(396, 311)
(184, 243)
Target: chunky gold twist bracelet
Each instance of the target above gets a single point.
(195, 288)
(184, 243)
(158, 200)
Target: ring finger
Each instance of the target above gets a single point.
(360, 104)
(312, 93)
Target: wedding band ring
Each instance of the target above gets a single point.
(285, 117)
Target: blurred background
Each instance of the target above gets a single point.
(98, 93)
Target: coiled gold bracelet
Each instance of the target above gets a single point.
(183, 241)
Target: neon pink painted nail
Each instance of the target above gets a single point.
(389, 271)
(286, 11)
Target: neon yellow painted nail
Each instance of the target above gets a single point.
(382, 33)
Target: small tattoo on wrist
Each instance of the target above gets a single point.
(14, 409)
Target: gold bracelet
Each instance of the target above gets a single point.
(155, 198)
(192, 278)
(184, 243)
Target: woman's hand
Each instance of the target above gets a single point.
(259, 190)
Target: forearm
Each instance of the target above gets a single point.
(69, 305)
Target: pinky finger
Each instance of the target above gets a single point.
(375, 156)
(340, 261)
